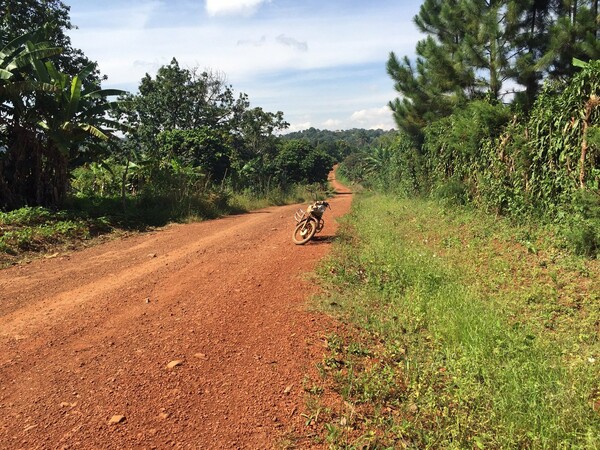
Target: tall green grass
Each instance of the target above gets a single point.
(453, 353)
(248, 201)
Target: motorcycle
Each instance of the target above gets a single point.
(309, 222)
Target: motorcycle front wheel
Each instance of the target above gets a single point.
(304, 232)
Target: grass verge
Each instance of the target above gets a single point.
(470, 332)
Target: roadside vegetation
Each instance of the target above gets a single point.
(30, 232)
(499, 110)
(463, 331)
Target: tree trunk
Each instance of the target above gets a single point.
(38, 175)
(5, 194)
(494, 88)
(20, 168)
(584, 147)
(124, 182)
(57, 176)
(596, 18)
(590, 105)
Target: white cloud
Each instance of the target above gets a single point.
(298, 127)
(382, 126)
(233, 7)
(332, 124)
(373, 118)
(254, 42)
(291, 42)
(241, 49)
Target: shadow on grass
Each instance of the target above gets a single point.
(143, 213)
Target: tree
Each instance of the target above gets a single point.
(421, 101)
(438, 80)
(442, 51)
(257, 127)
(205, 147)
(19, 17)
(73, 119)
(531, 40)
(197, 117)
(574, 34)
(471, 49)
(289, 161)
(16, 85)
(15, 59)
(256, 145)
(179, 98)
(300, 162)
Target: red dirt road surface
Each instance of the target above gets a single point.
(196, 336)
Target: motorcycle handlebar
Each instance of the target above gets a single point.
(323, 202)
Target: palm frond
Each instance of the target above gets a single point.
(75, 96)
(31, 54)
(99, 109)
(16, 44)
(21, 87)
(5, 74)
(93, 131)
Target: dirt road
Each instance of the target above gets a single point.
(88, 337)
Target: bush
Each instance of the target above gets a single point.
(452, 192)
(583, 225)
(453, 145)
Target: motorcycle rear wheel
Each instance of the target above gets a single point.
(304, 232)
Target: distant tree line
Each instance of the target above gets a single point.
(354, 138)
(339, 143)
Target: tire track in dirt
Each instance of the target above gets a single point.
(89, 336)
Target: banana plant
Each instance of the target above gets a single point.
(18, 89)
(378, 160)
(16, 83)
(73, 114)
(16, 57)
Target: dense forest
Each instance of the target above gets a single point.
(499, 109)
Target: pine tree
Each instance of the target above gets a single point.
(492, 42)
(443, 22)
(574, 34)
(474, 47)
(437, 81)
(532, 43)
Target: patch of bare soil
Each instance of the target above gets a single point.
(195, 336)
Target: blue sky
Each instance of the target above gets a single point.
(321, 62)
